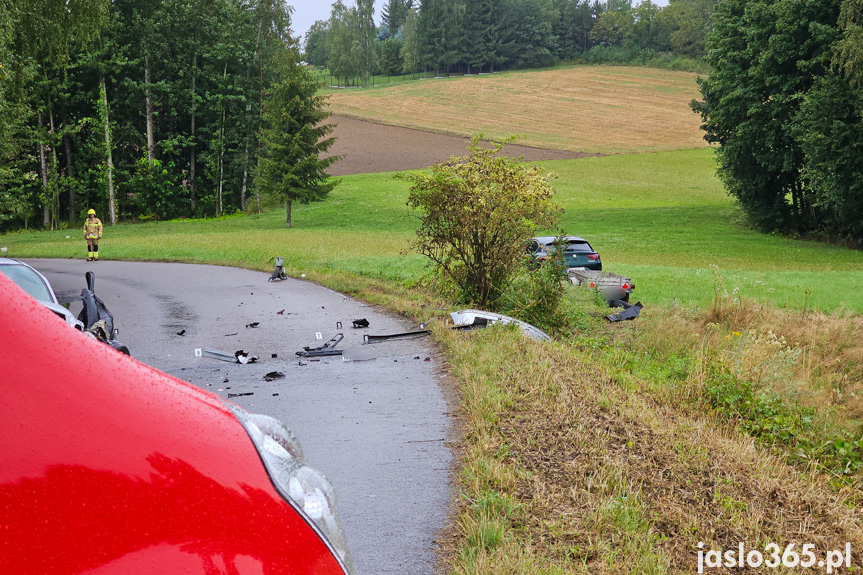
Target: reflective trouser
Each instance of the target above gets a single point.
(93, 247)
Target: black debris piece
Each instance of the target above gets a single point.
(274, 355)
(417, 357)
(367, 338)
(300, 363)
(275, 395)
(181, 332)
(273, 375)
(230, 395)
(360, 322)
(230, 334)
(278, 273)
(253, 324)
(619, 303)
(630, 312)
(280, 312)
(427, 359)
(325, 349)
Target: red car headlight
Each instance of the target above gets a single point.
(304, 487)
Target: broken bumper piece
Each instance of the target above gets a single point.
(479, 318)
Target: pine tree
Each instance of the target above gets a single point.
(290, 167)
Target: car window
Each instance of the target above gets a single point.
(579, 247)
(29, 281)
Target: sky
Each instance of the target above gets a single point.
(307, 11)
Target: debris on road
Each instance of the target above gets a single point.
(278, 273)
(274, 375)
(280, 312)
(230, 334)
(254, 324)
(367, 338)
(244, 358)
(230, 395)
(629, 312)
(237, 357)
(181, 332)
(325, 349)
(360, 322)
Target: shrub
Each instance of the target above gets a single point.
(477, 214)
(536, 296)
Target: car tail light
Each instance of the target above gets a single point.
(593, 257)
(593, 285)
(305, 488)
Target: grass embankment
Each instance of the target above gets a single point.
(619, 449)
(596, 109)
(577, 464)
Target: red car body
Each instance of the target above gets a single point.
(111, 467)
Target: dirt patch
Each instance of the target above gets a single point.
(367, 147)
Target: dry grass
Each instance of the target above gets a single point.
(811, 359)
(586, 109)
(597, 472)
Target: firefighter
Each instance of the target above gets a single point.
(92, 233)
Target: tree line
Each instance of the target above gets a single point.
(476, 36)
(151, 109)
(784, 104)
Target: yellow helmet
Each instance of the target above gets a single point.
(91, 213)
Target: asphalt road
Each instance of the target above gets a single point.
(378, 428)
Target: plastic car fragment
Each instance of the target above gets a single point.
(237, 357)
(98, 321)
(475, 318)
(278, 273)
(368, 338)
(323, 350)
(629, 312)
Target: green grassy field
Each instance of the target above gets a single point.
(661, 218)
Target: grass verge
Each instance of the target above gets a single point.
(577, 463)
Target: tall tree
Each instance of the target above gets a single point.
(365, 37)
(766, 56)
(290, 167)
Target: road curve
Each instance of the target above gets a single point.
(378, 429)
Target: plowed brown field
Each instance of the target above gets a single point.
(368, 147)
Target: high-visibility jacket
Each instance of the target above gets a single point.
(92, 229)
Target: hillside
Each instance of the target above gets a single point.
(582, 109)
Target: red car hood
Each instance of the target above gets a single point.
(110, 466)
